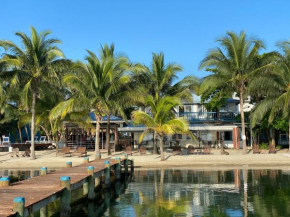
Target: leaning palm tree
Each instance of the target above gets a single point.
(233, 65)
(161, 80)
(100, 85)
(34, 67)
(275, 88)
(162, 120)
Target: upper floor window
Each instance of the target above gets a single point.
(188, 108)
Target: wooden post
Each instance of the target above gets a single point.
(68, 164)
(118, 168)
(107, 174)
(91, 183)
(126, 163)
(19, 206)
(234, 138)
(43, 171)
(86, 160)
(65, 197)
(98, 157)
(4, 181)
(43, 210)
(132, 167)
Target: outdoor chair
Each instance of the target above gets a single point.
(80, 151)
(26, 153)
(15, 152)
(128, 150)
(142, 150)
(272, 149)
(256, 149)
(6, 140)
(35, 140)
(64, 151)
(190, 149)
(176, 150)
(206, 149)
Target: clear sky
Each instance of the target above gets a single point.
(183, 29)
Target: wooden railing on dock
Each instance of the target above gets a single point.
(26, 197)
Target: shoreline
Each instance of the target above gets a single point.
(216, 161)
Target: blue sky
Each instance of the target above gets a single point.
(183, 29)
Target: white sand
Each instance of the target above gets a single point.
(49, 159)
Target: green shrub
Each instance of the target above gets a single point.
(278, 147)
(264, 146)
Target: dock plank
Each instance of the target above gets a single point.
(40, 188)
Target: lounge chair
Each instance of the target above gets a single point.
(35, 140)
(26, 153)
(6, 140)
(65, 150)
(142, 150)
(128, 150)
(190, 149)
(80, 151)
(256, 149)
(272, 149)
(15, 152)
(206, 149)
(176, 150)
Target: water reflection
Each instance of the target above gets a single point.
(19, 175)
(240, 192)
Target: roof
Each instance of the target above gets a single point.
(105, 118)
(233, 100)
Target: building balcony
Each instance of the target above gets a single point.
(208, 116)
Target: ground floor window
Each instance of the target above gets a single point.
(228, 135)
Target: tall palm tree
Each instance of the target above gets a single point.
(100, 85)
(275, 88)
(233, 65)
(162, 121)
(161, 80)
(35, 67)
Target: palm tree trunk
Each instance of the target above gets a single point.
(108, 135)
(97, 144)
(20, 136)
(245, 173)
(243, 123)
(46, 132)
(33, 125)
(273, 138)
(161, 147)
(155, 151)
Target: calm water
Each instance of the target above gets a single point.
(165, 193)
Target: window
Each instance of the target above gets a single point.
(188, 108)
(174, 136)
(228, 135)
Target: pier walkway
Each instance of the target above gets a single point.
(44, 189)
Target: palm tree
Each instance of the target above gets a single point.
(160, 80)
(233, 65)
(34, 66)
(275, 88)
(163, 119)
(101, 84)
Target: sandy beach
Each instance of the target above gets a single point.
(48, 158)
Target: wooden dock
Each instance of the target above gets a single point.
(42, 190)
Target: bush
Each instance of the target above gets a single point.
(264, 146)
(278, 147)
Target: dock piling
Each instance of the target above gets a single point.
(65, 198)
(132, 167)
(69, 164)
(4, 182)
(86, 160)
(118, 168)
(126, 162)
(91, 183)
(107, 174)
(19, 206)
(43, 171)
(98, 156)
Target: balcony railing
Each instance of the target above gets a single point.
(208, 116)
